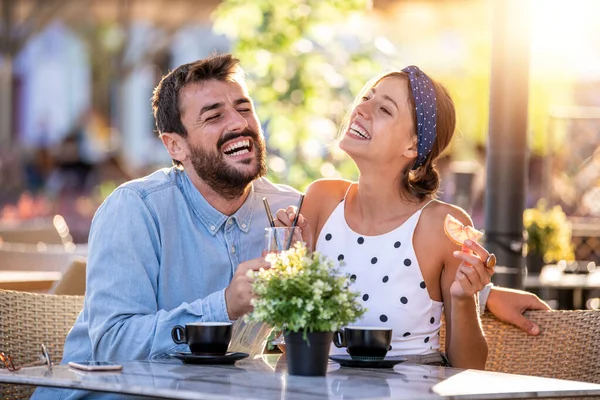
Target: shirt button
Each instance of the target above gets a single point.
(230, 221)
(212, 228)
(233, 249)
(244, 226)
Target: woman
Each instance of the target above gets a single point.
(388, 229)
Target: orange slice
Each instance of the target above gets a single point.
(458, 233)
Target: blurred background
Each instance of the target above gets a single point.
(76, 77)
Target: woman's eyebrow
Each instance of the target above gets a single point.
(386, 97)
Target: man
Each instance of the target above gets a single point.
(174, 247)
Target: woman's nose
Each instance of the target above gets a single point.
(363, 109)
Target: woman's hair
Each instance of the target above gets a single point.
(424, 180)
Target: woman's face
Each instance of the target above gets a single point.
(381, 127)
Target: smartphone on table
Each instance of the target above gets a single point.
(95, 365)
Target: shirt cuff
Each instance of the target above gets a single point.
(215, 307)
(483, 297)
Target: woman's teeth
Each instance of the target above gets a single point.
(358, 131)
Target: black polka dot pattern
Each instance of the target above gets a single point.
(379, 258)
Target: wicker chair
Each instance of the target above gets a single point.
(73, 279)
(26, 321)
(567, 348)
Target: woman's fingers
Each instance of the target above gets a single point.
(287, 216)
(477, 249)
(477, 280)
(474, 261)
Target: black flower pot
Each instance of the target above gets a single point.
(308, 357)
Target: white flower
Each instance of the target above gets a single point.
(303, 291)
(271, 258)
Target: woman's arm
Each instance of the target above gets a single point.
(463, 275)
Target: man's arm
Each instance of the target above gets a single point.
(510, 304)
(124, 319)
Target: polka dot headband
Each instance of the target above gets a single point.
(425, 108)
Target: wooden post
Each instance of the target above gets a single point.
(507, 151)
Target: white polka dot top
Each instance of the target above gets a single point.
(384, 269)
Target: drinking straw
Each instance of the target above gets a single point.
(270, 218)
(295, 222)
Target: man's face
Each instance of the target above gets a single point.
(226, 145)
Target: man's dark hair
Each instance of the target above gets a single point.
(165, 99)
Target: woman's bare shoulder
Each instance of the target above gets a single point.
(437, 211)
(325, 189)
(322, 197)
(434, 215)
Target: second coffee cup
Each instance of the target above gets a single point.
(204, 338)
(364, 342)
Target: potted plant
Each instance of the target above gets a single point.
(548, 236)
(306, 297)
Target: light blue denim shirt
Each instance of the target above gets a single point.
(160, 255)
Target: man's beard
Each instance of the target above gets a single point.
(223, 178)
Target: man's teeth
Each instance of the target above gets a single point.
(237, 153)
(357, 130)
(238, 148)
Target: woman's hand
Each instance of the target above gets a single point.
(286, 218)
(472, 273)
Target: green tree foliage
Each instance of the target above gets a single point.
(303, 75)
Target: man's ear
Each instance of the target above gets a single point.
(176, 145)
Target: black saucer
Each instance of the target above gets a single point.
(346, 361)
(190, 358)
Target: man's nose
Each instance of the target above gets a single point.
(237, 122)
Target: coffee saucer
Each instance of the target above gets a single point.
(190, 358)
(346, 361)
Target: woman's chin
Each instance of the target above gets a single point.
(351, 147)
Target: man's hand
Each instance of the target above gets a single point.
(238, 294)
(509, 305)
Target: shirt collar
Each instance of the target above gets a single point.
(210, 217)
